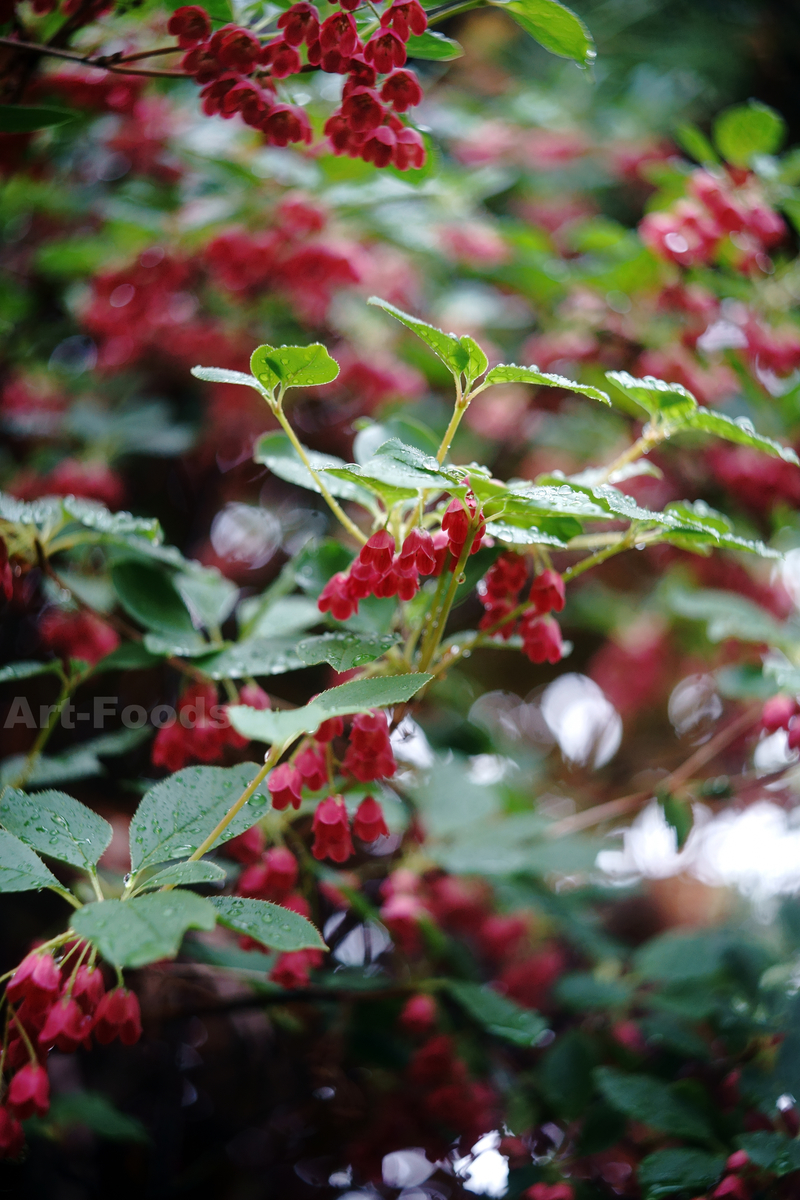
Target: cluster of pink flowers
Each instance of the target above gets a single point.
(499, 593)
(202, 730)
(719, 206)
(239, 75)
(499, 590)
(54, 1005)
(379, 571)
(77, 635)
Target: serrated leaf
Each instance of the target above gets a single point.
(275, 451)
(679, 1170)
(343, 651)
(670, 401)
(433, 45)
(20, 869)
(554, 26)
(147, 594)
(254, 656)
(96, 516)
(498, 1014)
(740, 431)
(360, 695)
(178, 814)
(746, 130)
(271, 924)
(27, 670)
(220, 375)
(184, 873)
(293, 366)
(445, 346)
(647, 1099)
(56, 825)
(524, 535)
(42, 513)
(404, 470)
(28, 118)
(511, 373)
(181, 645)
(132, 933)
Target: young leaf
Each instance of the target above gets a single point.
(220, 375)
(271, 924)
(446, 346)
(647, 1099)
(148, 594)
(132, 933)
(275, 451)
(694, 142)
(92, 1111)
(343, 651)
(254, 656)
(27, 118)
(671, 401)
(511, 373)
(293, 366)
(20, 869)
(478, 362)
(360, 695)
(554, 26)
(739, 430)
(679, 1170)
(434, 46)
(497, 1014)
(56, 825)
(748, 129)
(176, 815)
(184, 873)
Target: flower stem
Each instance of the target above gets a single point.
(444, 611)
(335, 508)
(272, 757)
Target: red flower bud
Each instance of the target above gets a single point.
(285, 785)
(363, 111)
(541, 639)
(419, 1014)
(330, 729)
(331, 832)
(368, 823)
(409, 150)
(405, 17)
(300, 23)
(36, 979)
(67, 1025)
(547, 592)
(313, 768)
(379, 550)
(118, 1015)
(336, 597)
(402, 90)
(88, 988)
(778, 712)
(385, 50)
(29, 1092)
(190, 25)
(285, 124)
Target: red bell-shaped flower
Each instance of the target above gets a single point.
(331, 831)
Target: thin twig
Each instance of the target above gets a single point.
(101, 64)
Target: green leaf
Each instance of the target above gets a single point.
(433, 45)
(565, 1073)
(20, 869)
(748, 129)
(670, 401)
(27, 670)
(669, 1171)
(478, 362)
(254, 656)
(511, 373)
(27, 118)
(404, 470)
(317, 562)
(275, 451)
(360, 695)
(677, 957)
(130, 656)
(178, 814)
(497, 1014)
(739, 430)
(293, 366)
(56, 825)
(132, 933)
(181, 645)
(343, 651)
(95, 1112)
(208, 595)
(148, 595)
(729, 615)
(694, 142)
(652, 1102)
(271, 924)
(582, 990)
(220, 375)
(446, 346)
(554, 26)
(185, 873)
(116, 525)
(286, 614)
(771, 1151)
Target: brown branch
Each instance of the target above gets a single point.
(628, 804)
(100, 64)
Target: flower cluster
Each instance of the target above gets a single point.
(499, 592)
(202, 730)
(79, 635)
(240, 75)
(721, 205)
(54, 1005)
(379, 571)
